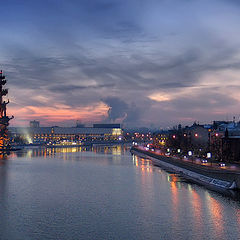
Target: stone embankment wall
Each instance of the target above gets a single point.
(221, 174)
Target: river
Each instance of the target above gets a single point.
(106, 193)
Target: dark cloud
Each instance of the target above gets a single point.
(204, 100)
(128, 113)
(117, 108)
(66, 88)
(78, 53)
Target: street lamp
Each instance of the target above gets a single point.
(209, 155)
(190, 154)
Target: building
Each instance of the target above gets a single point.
(225, 141)
(221, 139)
(230, 150)
(107, 125)
(198, 135)
(65, 135)
(34, 124)
(160, 139)
(194, 138)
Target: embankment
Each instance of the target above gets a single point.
(202, 174)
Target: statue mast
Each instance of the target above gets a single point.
(4, 119)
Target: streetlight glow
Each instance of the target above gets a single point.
(189, 153)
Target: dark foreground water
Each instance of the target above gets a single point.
(105, 193)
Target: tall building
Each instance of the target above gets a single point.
(4, 119)
(34, 124)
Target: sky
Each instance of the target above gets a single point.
(153, 63)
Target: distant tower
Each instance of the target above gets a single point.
(4, 119)
(79, 124)
(34, 124)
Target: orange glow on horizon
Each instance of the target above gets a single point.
(58, 113)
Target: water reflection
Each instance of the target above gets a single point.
(217, 214)
(47, 152)
(175, 202)
(3, 158)
(197, 210)
(238, 218)
(117, 150)
(209, 212)
(103, 192)
(144, 164)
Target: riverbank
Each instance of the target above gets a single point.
(202, 174)
(101, 193)
(82, 144)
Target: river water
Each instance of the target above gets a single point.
(106, 193)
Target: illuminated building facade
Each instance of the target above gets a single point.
(66, 135)
(195, 137)
(160, 139)
(221, 140)
(225, 141)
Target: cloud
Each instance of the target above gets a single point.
(117, 108)
(120, 111)
(60, 114)
(154, 62)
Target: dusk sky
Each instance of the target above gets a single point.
(140, 62)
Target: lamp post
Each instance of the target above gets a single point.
(190, 155)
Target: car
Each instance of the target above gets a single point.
(222, 164)
(203, 160)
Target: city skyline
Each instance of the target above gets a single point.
(153, 63)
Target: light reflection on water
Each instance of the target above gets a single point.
(206, 208)
(104, 192)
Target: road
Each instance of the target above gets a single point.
(194, 160)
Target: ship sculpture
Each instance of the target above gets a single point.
(4, 119)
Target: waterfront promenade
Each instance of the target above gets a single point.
(229, 172)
